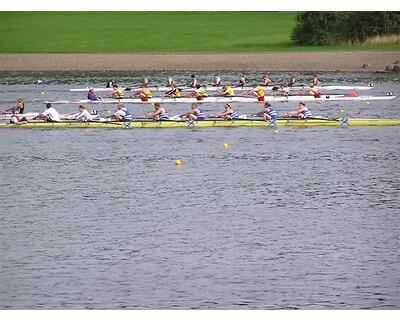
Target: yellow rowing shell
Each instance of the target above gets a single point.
(213, 123)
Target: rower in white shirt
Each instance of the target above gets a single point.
(83, 115)
(49, 115)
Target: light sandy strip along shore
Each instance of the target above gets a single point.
(292, 61)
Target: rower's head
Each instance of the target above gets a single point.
(156, 105)
(121, 105)
(267, 105)
(115, 86)
(228, 106)
(302, 104)
(314, 75)
(48, 105)
(194, 105)
(81, 108)
(312, 85)
(20, 100)
(225, 85)
(193, 76)
(198, 86)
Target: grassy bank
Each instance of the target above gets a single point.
(34, 32)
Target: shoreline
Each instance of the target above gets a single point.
(367, 61)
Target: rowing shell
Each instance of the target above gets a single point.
(213, 123)
(210, 88)
(228, 99)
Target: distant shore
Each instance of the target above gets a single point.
(370, 61)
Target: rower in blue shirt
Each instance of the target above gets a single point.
(196, 114)
(228, 114)
(302, 112)
(267, 113)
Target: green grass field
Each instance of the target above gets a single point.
(152, 32)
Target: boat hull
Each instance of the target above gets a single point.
(227, 99)
(213, 123)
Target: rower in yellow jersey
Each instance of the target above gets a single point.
(226, 91)
(116, 93)
(145, 93)
(258, 91)
(174, 92)
(313, 90)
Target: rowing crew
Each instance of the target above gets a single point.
(160, 113)
(194, 81)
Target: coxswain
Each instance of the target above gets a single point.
(266, 80)
(170, 82)
(116, 93)
(217, 81)
(82, 115)
(228, 114)
(145, 93)
(242, 80)
(145, 81)
(194, 81)
(313, 90)
(291, 81)
(17, 119)
(91, 95)
(314, 80)
(159, 114)
(226, 91)
(122, 114)
(302, 112)
(174, 92)
(267, 113)
(195, 114)
(49, 115)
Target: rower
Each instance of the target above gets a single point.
(313, 90)
(116, 93)
(174, 92)
(145, 93)
(16, 119)
(49, 115)
(82, 115)
(145, 81)
(226, 91)
(302, 112)
(266, 80)
(291, 81)
(110, 84)
(228, 114)
(159, 114)
(20, 107)
(196, 114)
(194, 81)
(314, 80)
(170, 81)
(122, 114)
(217, 81)
(242, 80)
(201, 92)
(267, 113)
(91, 95)
(258, 91)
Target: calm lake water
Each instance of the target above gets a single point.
(102, 219)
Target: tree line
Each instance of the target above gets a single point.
(325, 28)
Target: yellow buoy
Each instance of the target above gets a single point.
(42, 93)
(276, 131)
(367, 102)
(225, 145)
(341, 109)
(178, 162)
